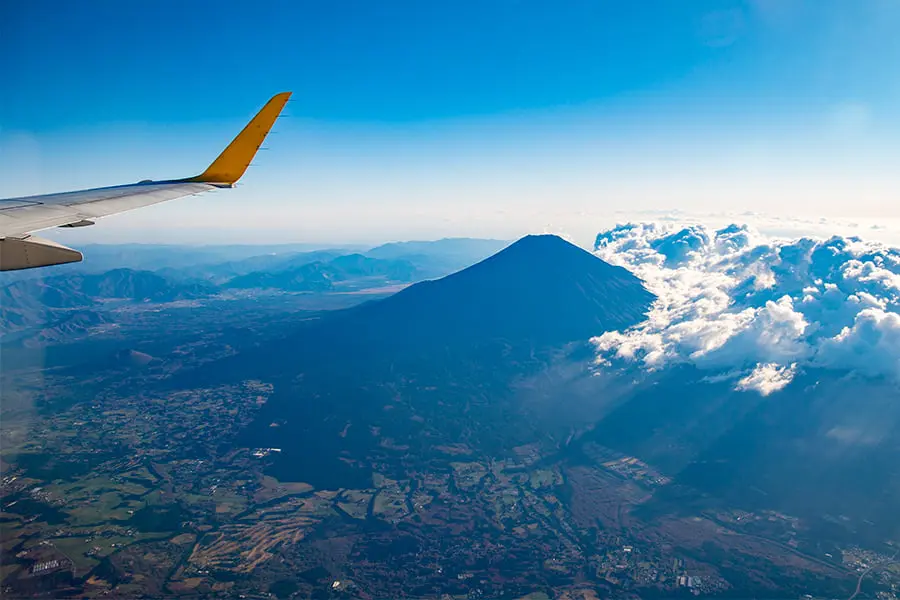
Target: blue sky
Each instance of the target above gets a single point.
(491, 117)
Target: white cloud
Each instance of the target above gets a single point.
(871, 346)
(767, 378)
(759, 306)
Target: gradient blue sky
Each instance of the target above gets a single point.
(426, 119)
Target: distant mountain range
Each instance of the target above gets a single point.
(165, 273)
(222, 272)
(46, 301)
(441, 257)
(173, 258)
(218, 263)
(69, 291)
(321, 276)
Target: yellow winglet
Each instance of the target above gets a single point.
(234, 160)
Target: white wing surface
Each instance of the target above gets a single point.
(20, 217)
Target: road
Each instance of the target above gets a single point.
(867, 571)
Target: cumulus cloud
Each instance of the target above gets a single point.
(871, 346)
(767, 378)
(733, 299)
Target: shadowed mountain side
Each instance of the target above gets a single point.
(541, 291)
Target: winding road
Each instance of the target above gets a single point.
(867, 571)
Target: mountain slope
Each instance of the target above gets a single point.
(432, 364)
(540, 289)
(305, 278)
(137, 285)
(41, 301)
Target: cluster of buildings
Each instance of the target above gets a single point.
(627, 567)
(263, 452)
(633, 468)
(51, 565)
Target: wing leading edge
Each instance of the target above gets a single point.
(19, 217)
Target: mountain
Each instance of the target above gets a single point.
(440, 257)
(431, 363)
(136, 285)
(447, 247)
(538, 293)
(541, 290)
(40, 301)
(322, 276)
(40, 294)
(431, 259)
(274, 261)
(357, 265)
(305, 278)
(62, 325)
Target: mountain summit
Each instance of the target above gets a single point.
(541, 289)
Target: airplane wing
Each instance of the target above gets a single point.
(19, 217)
